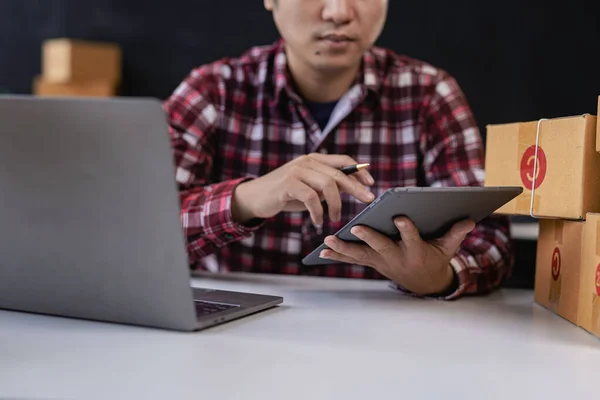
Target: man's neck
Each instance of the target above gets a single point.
(322, 86)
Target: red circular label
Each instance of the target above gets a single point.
(598, 280)
(556, 264)
(528, 164)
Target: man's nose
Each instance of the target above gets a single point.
(340, 12)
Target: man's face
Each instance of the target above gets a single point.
(328, 34)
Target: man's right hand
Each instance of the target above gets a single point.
(300, 185)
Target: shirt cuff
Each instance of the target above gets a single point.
(218, 223)
(462, 277)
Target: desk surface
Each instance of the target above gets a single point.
(332, 339)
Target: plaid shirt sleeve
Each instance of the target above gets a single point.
(453, 155)
(193, 116)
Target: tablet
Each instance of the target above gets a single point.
(433, 210)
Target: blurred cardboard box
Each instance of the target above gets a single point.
(69, 60)
(41, 87)
(598, 129)
(589, 289)
(562, 172)
(558, 261)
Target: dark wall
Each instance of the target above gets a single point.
(521, 60)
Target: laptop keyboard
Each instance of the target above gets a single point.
(208, 307)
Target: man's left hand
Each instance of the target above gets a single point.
(419, 266)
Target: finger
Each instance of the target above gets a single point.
(345, 183)
(363, 177)
(354, 178)
(298, 190)
(332, 255)
(408, 232)
(334, 202)
(464, 226)
(338, 161)
(378, 242)
(452, 240)
(362, 253)
(352, 186)
(328, 186)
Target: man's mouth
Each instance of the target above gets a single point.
(337, 38)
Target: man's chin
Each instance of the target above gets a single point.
(335, 64)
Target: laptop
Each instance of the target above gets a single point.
(89, 217)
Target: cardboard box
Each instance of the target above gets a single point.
(557, 270)
(567, 170)
(589, 289)
(68, 60)
(41, 87)
(598, 129)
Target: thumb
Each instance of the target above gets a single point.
(452, 240)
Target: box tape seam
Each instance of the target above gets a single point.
(535, 165)
(597, 237)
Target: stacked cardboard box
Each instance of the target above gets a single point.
(79, 68)
(557, 161)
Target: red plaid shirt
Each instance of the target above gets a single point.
(236, 119)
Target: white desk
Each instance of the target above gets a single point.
(332, 339)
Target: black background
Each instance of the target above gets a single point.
(519, 60)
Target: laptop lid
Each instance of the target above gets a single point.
(89, 212)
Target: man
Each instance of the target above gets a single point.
(258, 141)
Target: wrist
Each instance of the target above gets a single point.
(239, 210)
(443, 282)
(453, 286)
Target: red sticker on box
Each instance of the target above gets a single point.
(556, 264)
(598, 280)
(528, 164)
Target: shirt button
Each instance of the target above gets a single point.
(228, 236)
(323, 151)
